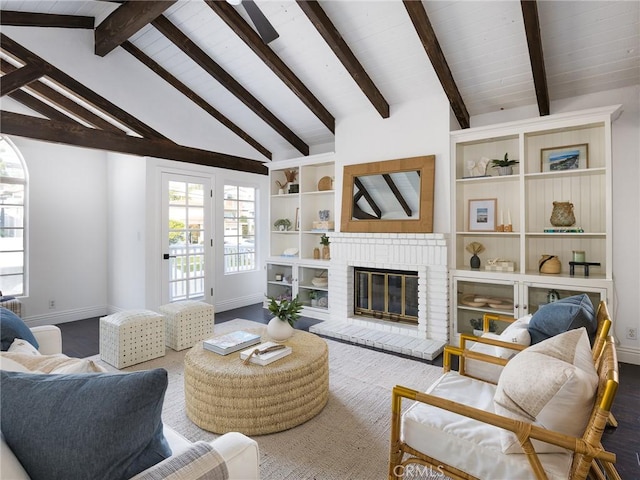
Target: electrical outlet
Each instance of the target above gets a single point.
(52, 304)
(632, 333)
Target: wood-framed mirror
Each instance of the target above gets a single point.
(389, 196)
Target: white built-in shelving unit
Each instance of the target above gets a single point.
(292, 251)
(526, 197)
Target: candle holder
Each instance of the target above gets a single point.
(508, 228)
(500, 228)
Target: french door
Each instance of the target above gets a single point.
(187, 258)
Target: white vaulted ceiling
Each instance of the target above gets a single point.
(588, 46)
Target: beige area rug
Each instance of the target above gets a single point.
(348, 440)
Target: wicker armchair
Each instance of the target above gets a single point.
(451, 406)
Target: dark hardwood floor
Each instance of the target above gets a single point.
(81, 339)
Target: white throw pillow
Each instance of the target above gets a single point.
(517, 332)
(10, 365)
(22, 346)
(551, 384)
(79, 365)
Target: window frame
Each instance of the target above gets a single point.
(238, 228)
(5, 180)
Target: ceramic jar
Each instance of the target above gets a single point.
(562, 214)
(549, 264)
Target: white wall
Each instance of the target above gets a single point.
(127, 231)
(413, 129)
(67, 232)
(626, 201)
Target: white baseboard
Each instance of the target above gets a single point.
(238, 302)
(628, 355)
(57, 317)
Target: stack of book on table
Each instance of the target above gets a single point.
(231, 342)
(265, 353)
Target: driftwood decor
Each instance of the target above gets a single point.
(389, 196)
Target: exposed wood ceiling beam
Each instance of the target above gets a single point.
(39, 106)
(329, 32)
(423, 27)
(253, 40)
(26, 19)
(193, 96)
(19, 78)
(125, 21)
(185, 44)
(77, 88)
(534, 41)
(72, 134)
(63, 102)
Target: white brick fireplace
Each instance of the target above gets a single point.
(425, 254)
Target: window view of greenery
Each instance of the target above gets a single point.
(239, 229)
(12, 216)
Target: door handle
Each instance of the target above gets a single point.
(166, 256)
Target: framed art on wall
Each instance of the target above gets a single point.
(482, 215)
(568, 157)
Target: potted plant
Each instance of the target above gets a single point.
(324, 241)
(282, 224)
(286, 312)
(478, 327)
(504, 165)
(313, 296)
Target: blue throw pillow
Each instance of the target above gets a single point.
(566, 314)
(79, 426)
(12, 327)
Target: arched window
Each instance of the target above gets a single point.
(13, 196)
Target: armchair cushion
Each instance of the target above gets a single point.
(112, 427)
(472, 446)
(12, 327)
(558, 317)
(551, 384)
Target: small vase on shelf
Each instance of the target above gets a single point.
(475, 261)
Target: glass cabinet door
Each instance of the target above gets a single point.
(537, 295)
(474, 298)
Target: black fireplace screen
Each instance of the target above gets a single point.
(386, 294)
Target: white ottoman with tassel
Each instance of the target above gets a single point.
(131, 336)
(187, 323)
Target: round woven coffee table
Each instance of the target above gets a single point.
(224, 395)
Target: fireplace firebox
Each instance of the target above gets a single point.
(386, 294)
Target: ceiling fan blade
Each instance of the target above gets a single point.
(265, 29)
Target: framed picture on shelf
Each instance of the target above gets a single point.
(568, 157)
(482, 215)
